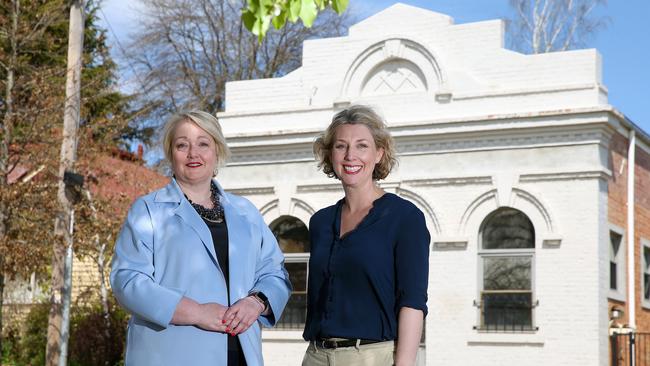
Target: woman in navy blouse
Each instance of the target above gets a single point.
(369, 263)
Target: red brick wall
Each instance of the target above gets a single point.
(617, 205)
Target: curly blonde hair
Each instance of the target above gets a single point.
(353, 115)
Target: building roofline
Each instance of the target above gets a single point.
(641, 134)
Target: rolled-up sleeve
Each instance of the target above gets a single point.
(412, 262)
(271, 277)
(132, 271)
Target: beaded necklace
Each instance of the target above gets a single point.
(214, 214)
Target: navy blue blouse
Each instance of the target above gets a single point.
(358, 283)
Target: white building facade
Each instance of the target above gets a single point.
(506, 154)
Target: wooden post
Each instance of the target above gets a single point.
(57, 330)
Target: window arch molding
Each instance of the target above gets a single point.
(296, 262)
(420, 202)
(471, 225)
(292, 206)
(523, 200)
(393, 48)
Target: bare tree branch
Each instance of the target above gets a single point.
(553, 25)
(187, 50)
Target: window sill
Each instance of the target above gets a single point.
(617, 296)
(523, 339)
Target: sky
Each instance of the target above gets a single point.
(623, 45)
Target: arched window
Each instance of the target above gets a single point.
(293, 238)
(506, 268)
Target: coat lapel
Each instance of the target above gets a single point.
(187, 213)
(239, 236)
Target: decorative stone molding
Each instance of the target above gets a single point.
(522, 200)
(301, 205)
(445, 244)
(423, 204)
(541, 208)
(269, 206)
(604, 174)
(390, 62)
(324, 187)
(487, 201)
(394, 77)
(449, 181)
(253, 156)
(296, 207)
(495, 142)
(438, 138)
(249, 191)
(551, 241)
(390, 186)
(525, 91)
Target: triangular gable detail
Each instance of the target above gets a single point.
(395, 65)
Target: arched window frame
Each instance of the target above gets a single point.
(288, 321)
(486, 254)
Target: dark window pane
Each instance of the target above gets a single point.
(291, 233)
(646, 286)
(615, 240)
(508, 228)
(613, 281)
(295, 313)
(507, 273)
(507, 311)
(297, 275)
(293, 237)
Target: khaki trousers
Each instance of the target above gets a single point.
(375, 354)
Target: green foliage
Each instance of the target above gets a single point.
(32, 343)
(259, 14)
(10, 346)
(105, 115)
(35, 123)
(34, 52)
(89, 331)
(88, 345)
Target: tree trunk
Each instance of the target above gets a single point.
(103, 291)
(57, 329)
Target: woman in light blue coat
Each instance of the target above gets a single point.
(197, 268)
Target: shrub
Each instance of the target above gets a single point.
(33, 341)
(92, 341)
(10, 345)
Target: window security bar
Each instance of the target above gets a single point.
(506, 317)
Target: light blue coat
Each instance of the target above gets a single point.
(165, 252)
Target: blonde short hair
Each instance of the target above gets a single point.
(205, 121)
(353, 115)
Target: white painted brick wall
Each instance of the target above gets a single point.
(470, 55)
(484, 80)
(568, 279)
